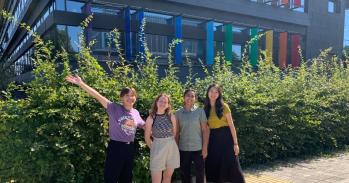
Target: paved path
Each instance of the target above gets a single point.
(334, 169)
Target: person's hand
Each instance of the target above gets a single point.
(236, 149)
(130, 123)
(204, 153)
(74, 79)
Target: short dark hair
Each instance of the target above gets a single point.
(189, 90)
(127, 90)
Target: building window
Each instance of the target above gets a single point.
(333, 6)
(236, 52)
(157, 44)
(60, 5)
(158, 18)
(74, 6)
(346, 31)
(73, 35)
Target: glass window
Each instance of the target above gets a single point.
(157, 18)
(331, 6)
(104, 10)
(60, 5)
(298, 8)
(74, 6)
(346, 30)
(97, 37)
(236, 52)
(191, 47)
(73, 34)
(157, 44)
(191, 22)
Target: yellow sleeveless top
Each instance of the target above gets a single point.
(214, 121)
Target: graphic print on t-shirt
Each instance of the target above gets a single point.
(128, 125)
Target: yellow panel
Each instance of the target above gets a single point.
(269, 43)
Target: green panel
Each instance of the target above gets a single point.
(254, 47)
(228, 42)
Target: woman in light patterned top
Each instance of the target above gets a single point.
(159, 135)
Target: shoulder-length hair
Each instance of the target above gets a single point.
(154, 107)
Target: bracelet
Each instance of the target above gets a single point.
(236, 144)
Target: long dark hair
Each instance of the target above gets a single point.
(218, 104)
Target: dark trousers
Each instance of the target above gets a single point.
(187, 157)
(119, 162)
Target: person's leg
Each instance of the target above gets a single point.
(199, 166)
(167, 175)
(156, 176)
(113, 163)
(126, 172)
(185, 162)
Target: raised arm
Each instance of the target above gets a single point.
(78, 81)
(147, 133)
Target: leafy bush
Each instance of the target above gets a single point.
(59, 134)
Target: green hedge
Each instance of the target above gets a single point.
(59, 134)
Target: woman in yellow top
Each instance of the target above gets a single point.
(222, 163)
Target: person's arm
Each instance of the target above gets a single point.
(174, 124)
(233, 132)
(177, 131)
(205, 136)
(147, 133)
(78, 81)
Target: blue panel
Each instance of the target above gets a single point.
(141, 34)
(178, 35)
(128, 45)
(209, 42)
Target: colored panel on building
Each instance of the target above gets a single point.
(228, 42)
(297, 3)
(269, 43)
(253, 51)
(178, 35)
(128, 43)
(141, 34)
(282, 49)
(209, 42)
(284, 2)
(295, 44)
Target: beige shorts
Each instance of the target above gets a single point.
(164, 154)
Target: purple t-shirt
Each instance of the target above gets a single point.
(123, 123)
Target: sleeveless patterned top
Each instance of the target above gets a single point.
(162, 126)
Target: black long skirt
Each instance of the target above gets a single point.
(221, 163)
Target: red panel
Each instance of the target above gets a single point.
(295, 59)
(282, 49)
(297, 3)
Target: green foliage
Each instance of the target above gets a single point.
(59, 134)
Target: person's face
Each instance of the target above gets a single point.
(129, 99)
(189, 98)
(162, 103)
(213, 93)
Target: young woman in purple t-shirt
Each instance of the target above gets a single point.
(123, 121)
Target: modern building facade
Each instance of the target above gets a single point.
(206, 27)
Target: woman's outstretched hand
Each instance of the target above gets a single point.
(74, 79)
